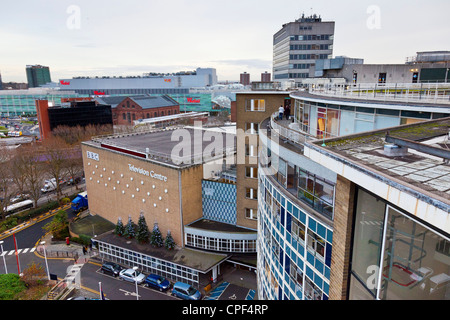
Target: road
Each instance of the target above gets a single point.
(90, 275)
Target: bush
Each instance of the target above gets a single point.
(65, 201)
(10, 286)
(82, 239)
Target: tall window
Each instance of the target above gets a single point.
(251, 213)
(251, 172)
(255, 105)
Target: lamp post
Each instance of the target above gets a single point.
(4, 261)
(46, 264)
(135, 280)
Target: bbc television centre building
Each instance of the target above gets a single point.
(192, 195)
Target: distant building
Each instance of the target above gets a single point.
(265, 77)
(1, 85)
(37, 75)
(80, 113)
(245, 79)
(125, 110)
(297, 46)
(149, 83)
(425, 67)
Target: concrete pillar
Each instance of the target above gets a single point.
(342, 235)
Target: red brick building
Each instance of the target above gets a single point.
(125, 110)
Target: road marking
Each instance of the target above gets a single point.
(19, 251)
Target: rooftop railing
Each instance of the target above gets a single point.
(438, 93)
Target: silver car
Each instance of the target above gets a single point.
(132, 276)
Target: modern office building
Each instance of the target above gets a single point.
(150, 83)
(177, 179)
(345, 212)
(37, 75)
(297, 46)
(74, 113)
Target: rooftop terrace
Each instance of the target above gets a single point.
(426, 173)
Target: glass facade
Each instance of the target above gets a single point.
(294, 247)
(395, 257)
(333, 120)
(24, 104)
(148, 264)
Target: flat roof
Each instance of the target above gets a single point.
(189, 145)
(426, 173)
(198, 260)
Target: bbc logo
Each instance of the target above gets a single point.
(92, 155)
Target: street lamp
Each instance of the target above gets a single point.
(135, 280)
(46, 264)
(4, 261)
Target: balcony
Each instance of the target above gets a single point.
(433, 93)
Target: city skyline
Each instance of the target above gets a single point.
(80, 38)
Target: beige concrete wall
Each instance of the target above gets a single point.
(112, 170)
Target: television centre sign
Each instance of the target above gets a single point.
(147, 173)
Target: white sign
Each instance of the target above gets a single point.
(147, 173)
(92, 155)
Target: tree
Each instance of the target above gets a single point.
(6, 189)
(34, 274)
(120, 229)
(58, 223)
(142, 234)
(169, 243)
(130, 231)
(55, 152)
(156, 238)
(32, 169)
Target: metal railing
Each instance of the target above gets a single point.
(287, 132)
(405, 92)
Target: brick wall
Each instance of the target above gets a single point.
(342, 233)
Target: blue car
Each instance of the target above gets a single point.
(186, 291)
(157, 282)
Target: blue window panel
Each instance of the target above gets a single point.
(329, 236)
(300, 264)
(288, 239)
(300, 249)
(283, 201)
(281, 258)
(318, 281)
(302, 217)
(310, 258)
(327, 273)
(328, 249)
(319, 266)
(309, 272)
(288, 222)
(312, 224)
(321, 231)
(283, 212)
(326, 288)
(294, 243)
(287, 263)
(295, 212)
(289, 206)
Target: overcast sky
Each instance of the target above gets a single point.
(117, 37)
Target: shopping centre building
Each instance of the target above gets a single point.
(183, 179)
(354, 197)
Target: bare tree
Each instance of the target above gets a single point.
(55, 152)
(6, 186)
(33, 170)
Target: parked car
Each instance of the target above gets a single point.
(20, 197)
(111, 268)
(186, 291)
(132, 276)
(157, 282)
